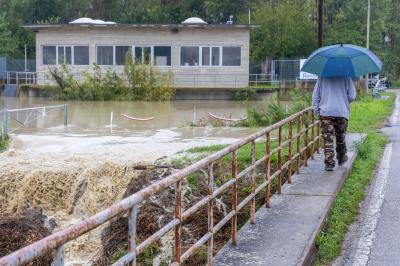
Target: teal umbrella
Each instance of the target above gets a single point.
(342, 60)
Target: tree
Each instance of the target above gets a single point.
(8, 45)
(286, 30)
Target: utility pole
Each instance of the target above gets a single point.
(368, 22)
(26, 60)
(367, 43)
(320, 22)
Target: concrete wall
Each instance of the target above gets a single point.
(185, 77)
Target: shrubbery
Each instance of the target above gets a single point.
(276, 110)
(137, 82)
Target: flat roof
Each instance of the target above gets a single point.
(142, 26)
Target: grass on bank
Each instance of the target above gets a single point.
(3, 144)
(367, 115)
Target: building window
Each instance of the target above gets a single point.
(143, 54)
(190, 56)
(120, 54)
(205, 56)
(105, 55)
(49, 55)
(81, 55)
(65, 55)
(231, 56)
(162, 55)
(215, 56)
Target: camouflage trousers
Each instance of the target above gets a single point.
(334, 127)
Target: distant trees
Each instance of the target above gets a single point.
(288, 27)
(7, 43)
(286, 30)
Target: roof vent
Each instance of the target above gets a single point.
(91, 21)
(194, 20)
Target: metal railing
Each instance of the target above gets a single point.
(297, 145)
(190, 80)
(33, 113)
(20, 77)
(267, 80)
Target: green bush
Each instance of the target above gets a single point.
(244, 95)
(138, 82)
(276, 111)
(3, 144)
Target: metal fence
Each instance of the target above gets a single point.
(181, 80)
(15, 65)
(20, 77)
(178, 79)
(25, 116)
(298, 141)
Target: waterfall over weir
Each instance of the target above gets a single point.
(11, 90)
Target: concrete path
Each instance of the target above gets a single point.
(375, 238)
(284, 233)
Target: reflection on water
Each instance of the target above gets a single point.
(94, 117)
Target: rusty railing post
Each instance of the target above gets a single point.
(280, 160)
(59, 258)
(253, 182)
(210, 214)
(298, 143)
(178, 228)
(267, 168)
(290, 156)
(312, 135)
(306, 138)
(132, 217)
(234, 198)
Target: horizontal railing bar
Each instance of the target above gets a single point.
(124, 260)
(201, 203)
(57, 239)
(34, 108)
(245, 201)
(157, 235)
(195, 246)
(223, 221)
(263, 185)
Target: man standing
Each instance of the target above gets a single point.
(331, 101)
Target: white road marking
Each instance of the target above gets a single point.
(374, 209)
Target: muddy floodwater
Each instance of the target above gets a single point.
(75, 171)
(95, 117)
(97, 129)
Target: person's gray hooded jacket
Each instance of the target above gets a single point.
(332, 96)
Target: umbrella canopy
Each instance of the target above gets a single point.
(342, 60)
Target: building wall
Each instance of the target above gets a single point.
(185, 77)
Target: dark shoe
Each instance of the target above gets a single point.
(329, 167)
(343, 161)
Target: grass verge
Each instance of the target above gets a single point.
(346, 206)
(367, 115)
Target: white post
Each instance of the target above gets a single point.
(111, 121)
(194, 116)
(65, 115)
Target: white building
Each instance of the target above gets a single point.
(200, 55)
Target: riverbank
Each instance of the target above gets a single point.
(367, 116)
